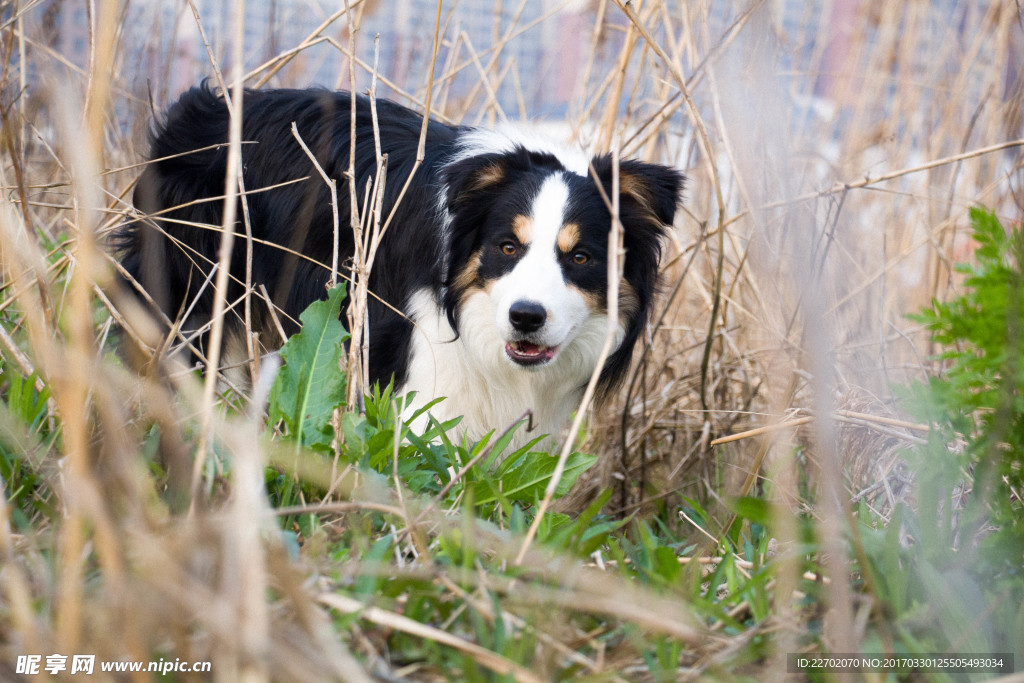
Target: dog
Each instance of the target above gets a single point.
(490, 284)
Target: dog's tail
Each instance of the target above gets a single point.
(161, 249)
(139, 247)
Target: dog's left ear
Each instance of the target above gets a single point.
(653, 189)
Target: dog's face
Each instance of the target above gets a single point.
(529, 253)
(542, 278)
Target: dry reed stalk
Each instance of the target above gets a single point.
(868, 180)
(759, 303)
(483, 656)
(788, 424)
(702, 136)
(490, 109)
(71, 381)
(333, 187)
(495, 50)
(359, 276)
(488, 610)
(359, 297)
(373, 233)
(246, 577)
(872, 421)
(233, 101)
(278, 62)
(558, 581)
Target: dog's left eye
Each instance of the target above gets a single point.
(580, 257)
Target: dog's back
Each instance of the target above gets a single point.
(172, 250)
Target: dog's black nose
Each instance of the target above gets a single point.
(527, 316)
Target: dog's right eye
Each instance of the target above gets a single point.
(508, 248)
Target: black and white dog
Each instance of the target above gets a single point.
(493, 270)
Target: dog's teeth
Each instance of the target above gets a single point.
(529, 349)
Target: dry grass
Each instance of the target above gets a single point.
(824, 202)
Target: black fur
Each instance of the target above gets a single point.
(171, 256)
(297, 216)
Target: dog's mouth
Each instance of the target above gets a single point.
(530, 354)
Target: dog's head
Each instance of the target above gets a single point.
(528, 255)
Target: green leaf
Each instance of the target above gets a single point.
(976, 400)
(311, 383)
(357, 431)
(666, 563)
(529, 479)
(586, 535)
(756, 510)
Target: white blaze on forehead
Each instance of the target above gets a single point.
(548, 214)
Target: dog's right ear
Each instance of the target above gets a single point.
(473, 179)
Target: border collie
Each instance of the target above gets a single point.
(493, 270)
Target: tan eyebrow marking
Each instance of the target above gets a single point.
(568, 237)
(522, 228)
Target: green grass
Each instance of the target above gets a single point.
(395, 521)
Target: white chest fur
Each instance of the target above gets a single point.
(478, 380)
